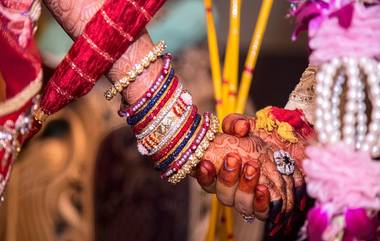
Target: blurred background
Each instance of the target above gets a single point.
(81, 178)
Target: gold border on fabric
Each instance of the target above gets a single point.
(23, 97)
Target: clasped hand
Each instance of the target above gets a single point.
(239, 167)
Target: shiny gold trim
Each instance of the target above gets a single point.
(22, 98)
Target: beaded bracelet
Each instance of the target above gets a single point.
(128, 111)
(133, 120)
(194, 159)
(175, 105)
(171, 157)
(174, 167)
(137, 70)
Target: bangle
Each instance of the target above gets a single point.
(173, 129)
(159, 154)
(176, 107)
(156, 109)
(190, 150)
(170, 158)
(123, 83)
(133, 120)
(163, 126)
(195, 158)
(128, 111)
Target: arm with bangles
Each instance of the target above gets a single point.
(238, 165)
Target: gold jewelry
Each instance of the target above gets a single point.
(197, 156)
(132, 74)
(40, 115)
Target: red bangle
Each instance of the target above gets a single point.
(175, 166)
(141, 125)
(175, 140)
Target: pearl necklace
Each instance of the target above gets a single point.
(352, 125)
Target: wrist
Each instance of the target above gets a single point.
(132, 56)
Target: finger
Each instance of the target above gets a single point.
(276, 203)
(236, 125)
(270, 171)
(228, 177)
(289, 187)
(245, 192)
(206, 176)
(261, 202)
(300, 190)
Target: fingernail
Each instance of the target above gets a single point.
(231, 164)
(241, 127)
(259, 196)
(250, 172)
(204, 171)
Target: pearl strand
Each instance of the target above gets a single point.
(356, 131)
(349, 119)
(369, 66)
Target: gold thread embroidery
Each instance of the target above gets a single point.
(141, 9)
(79, 71)
(23, 97)
(97, 49)
(114, 25)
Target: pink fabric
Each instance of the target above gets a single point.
(361, 39)
(340, 178)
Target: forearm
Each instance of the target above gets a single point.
(74, 17)
(133, 56)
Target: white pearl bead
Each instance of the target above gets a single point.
(320, 76)
(365, 147)
(322, 137)
(362, 128)
(352, 94)
(348, 130)
(329, 128)
(336, 124)
(349, 141)
(374, 126)
(335, 62)
(319, 89)
(349, 118)
(376, 115)
(370, 138)
(318, 124)
(351, 106)
(334, 138)
(375, 151)
(372, 79)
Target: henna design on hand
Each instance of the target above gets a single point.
(73, 15)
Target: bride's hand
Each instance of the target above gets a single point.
(239, 167)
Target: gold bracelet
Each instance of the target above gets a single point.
(197, 156)
(137, 70)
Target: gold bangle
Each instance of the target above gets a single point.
(137, 70)
(197, 156)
